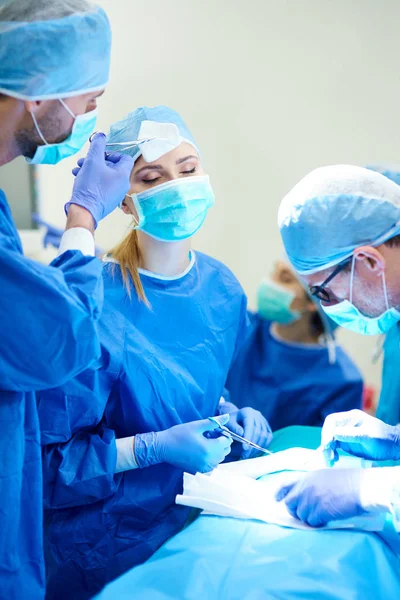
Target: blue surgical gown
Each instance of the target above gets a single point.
(162, 366)
(292, 384)
(48, 335)
(389, 400)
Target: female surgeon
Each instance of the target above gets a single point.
(173, 322)
(290, 367)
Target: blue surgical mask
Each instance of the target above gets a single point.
(174, 210)
(51, 154)
(273, 302)
(347, 315)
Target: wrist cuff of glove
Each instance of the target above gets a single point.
(376, 489)
(146, 449)
(226, 408)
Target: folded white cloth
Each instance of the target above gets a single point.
(293, 459)
(231, 490)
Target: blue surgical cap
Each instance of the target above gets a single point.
(42, 60)
(392, 173)
(161, 126)
(332, 211)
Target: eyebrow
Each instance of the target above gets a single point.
(149, 167)
(160, 167)
(181, 160)
(286, 271)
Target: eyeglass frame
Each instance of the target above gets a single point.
(318, 291)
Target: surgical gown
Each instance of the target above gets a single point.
(163, 365)
(292, 384)
(389, 400)
(48, 335)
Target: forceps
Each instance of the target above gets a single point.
(238, 438)
(125, 145)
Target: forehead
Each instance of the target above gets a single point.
(285, 272)
(281, 266)
(183, 150)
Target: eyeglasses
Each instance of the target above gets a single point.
(319, 291)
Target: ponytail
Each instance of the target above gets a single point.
(127, 254)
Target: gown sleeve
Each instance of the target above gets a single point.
(80, 471)
(48, 316)
(79, 451)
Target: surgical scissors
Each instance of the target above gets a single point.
(238, 438)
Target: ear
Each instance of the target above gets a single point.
(370, 262)
(32, 106)
(125, 208)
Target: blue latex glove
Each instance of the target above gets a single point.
(323, 496)
(101, 182)
(184, 446)
(248, 423)
(359, 434)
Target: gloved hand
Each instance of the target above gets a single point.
(183, 446)
(333, 494)
(101, 183)
(248, 423)
(323, 496)
(359, 434)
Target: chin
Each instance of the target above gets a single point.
(372, 313)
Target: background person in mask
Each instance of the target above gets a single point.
(54, 63)
(340, 226)
(173, 322)
(290, 367)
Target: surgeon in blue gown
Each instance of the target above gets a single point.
(353, 270)
(291, 368)
(173, 322)
(54, 63)
(389, 400)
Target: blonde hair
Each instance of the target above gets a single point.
(128, 255)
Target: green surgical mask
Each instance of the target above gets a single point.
(273, 302)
